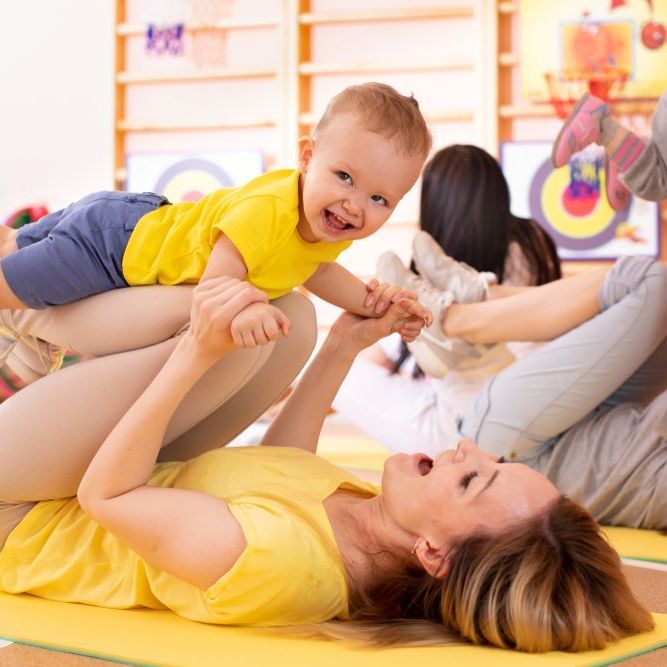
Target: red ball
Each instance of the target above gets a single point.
(653, 35)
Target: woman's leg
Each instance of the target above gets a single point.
(10, 516)
(544, 394)
(244, 406)
(647, 176)
(107, 323)
(51, 429)
(532, 314)
(614, 462)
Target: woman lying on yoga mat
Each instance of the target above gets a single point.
(466, 545)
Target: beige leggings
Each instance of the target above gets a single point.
(50, 430)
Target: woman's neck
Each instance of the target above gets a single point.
(362, 539)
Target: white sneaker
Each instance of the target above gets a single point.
(435, 353)
(391, 269)
(467, 284)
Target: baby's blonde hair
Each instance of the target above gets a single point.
(385, 111)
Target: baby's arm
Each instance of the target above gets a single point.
(261, 322)
(338, 286)
(225, 260)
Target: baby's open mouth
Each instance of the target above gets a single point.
(332, 221)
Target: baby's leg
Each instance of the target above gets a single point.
(12, 240)
(77, 252)
(7, 297)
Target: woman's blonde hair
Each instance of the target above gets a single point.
(384, 110)
(550, 583)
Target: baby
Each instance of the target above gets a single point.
(283, 229)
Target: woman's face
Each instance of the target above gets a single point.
(460, 491)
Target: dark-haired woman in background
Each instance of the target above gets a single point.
(465, 207)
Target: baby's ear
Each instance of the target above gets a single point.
(306, 146)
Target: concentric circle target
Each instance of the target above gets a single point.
(190, 180)
(576, 215)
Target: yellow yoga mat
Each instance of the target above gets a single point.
(365, 458)
(148, 637)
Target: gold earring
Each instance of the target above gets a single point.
(414, 549)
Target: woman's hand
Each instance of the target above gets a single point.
(357, 332)
(215, 303)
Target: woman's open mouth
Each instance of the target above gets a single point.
(424, 464)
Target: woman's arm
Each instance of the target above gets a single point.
(300, 421)
(188, 534)
(527, 313)
(376, 355)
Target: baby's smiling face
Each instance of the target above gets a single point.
(351, 181)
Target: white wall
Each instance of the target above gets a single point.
(56, 101)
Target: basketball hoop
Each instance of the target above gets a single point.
(566, 87)
(209, 41)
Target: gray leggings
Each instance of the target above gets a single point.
(647, 177)
(587, 409)
(52, 428)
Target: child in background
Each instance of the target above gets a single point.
(283, 229)
(632, 162)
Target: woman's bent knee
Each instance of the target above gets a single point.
(301, 312)
(630, 274)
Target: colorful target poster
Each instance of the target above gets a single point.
(190, 176)
(571, 205)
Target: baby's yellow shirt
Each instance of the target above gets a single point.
(290, 572)
(171, 245)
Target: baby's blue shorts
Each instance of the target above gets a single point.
(78, 251)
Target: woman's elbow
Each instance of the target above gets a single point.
(88, 500)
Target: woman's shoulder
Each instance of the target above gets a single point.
(291, 570)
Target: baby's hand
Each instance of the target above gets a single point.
(258, 324)
(421, 317)
(382, 295)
